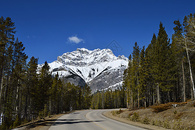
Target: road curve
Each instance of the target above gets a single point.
(89, 120)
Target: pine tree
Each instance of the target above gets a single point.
(178, 55)
(6, 42)
(189, 42)
(18, 75)
(6, 51)
(135, 70)
(31, 105)
(54, 95)
(86, 96)
(45, 81)
(161, 63)
(143, 74)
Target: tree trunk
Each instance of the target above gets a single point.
(131, 102)
(1, 85)
(127, 99)
(184, 87)
(191, 76)
(138, 98)
(103, 100)
(153, 97)
(158, 93)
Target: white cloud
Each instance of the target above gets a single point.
(75, 39)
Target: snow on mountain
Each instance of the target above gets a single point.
(88, 64)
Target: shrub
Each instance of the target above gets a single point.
(135, 117)
(166, 124)
(161, 107)
(177, 125)
(175, 112)
(113, 113)
(153, 122)
(146, 120)
(119, 111)
(130, 114)
(178, 115)
(156, 122)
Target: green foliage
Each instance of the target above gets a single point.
(108, 99)
(29, 93)
(153, 76)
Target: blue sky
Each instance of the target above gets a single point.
(49, 28)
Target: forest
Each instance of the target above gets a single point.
(160, 73)
(26, 94)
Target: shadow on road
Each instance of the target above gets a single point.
(73, 121)
(62, 119)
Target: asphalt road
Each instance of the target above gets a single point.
(89, 120)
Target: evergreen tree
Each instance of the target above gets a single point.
(135, 70)
(143, 76)
(18, 75)
(87, 96)
(161, 64)
(31, 94)
(44, 84)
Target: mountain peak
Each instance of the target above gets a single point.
(83, 50)
(89, 64)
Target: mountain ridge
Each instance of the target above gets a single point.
(90, 65)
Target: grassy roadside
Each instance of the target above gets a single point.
(181, 117)
(109, 114)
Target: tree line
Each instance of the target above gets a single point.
(162, 72)
(25, 92)
(107, 99)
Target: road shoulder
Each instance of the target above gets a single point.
(125, 120)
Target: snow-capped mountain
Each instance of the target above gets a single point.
(100, 69)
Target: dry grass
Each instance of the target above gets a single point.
(163, 107)
(165, 115)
